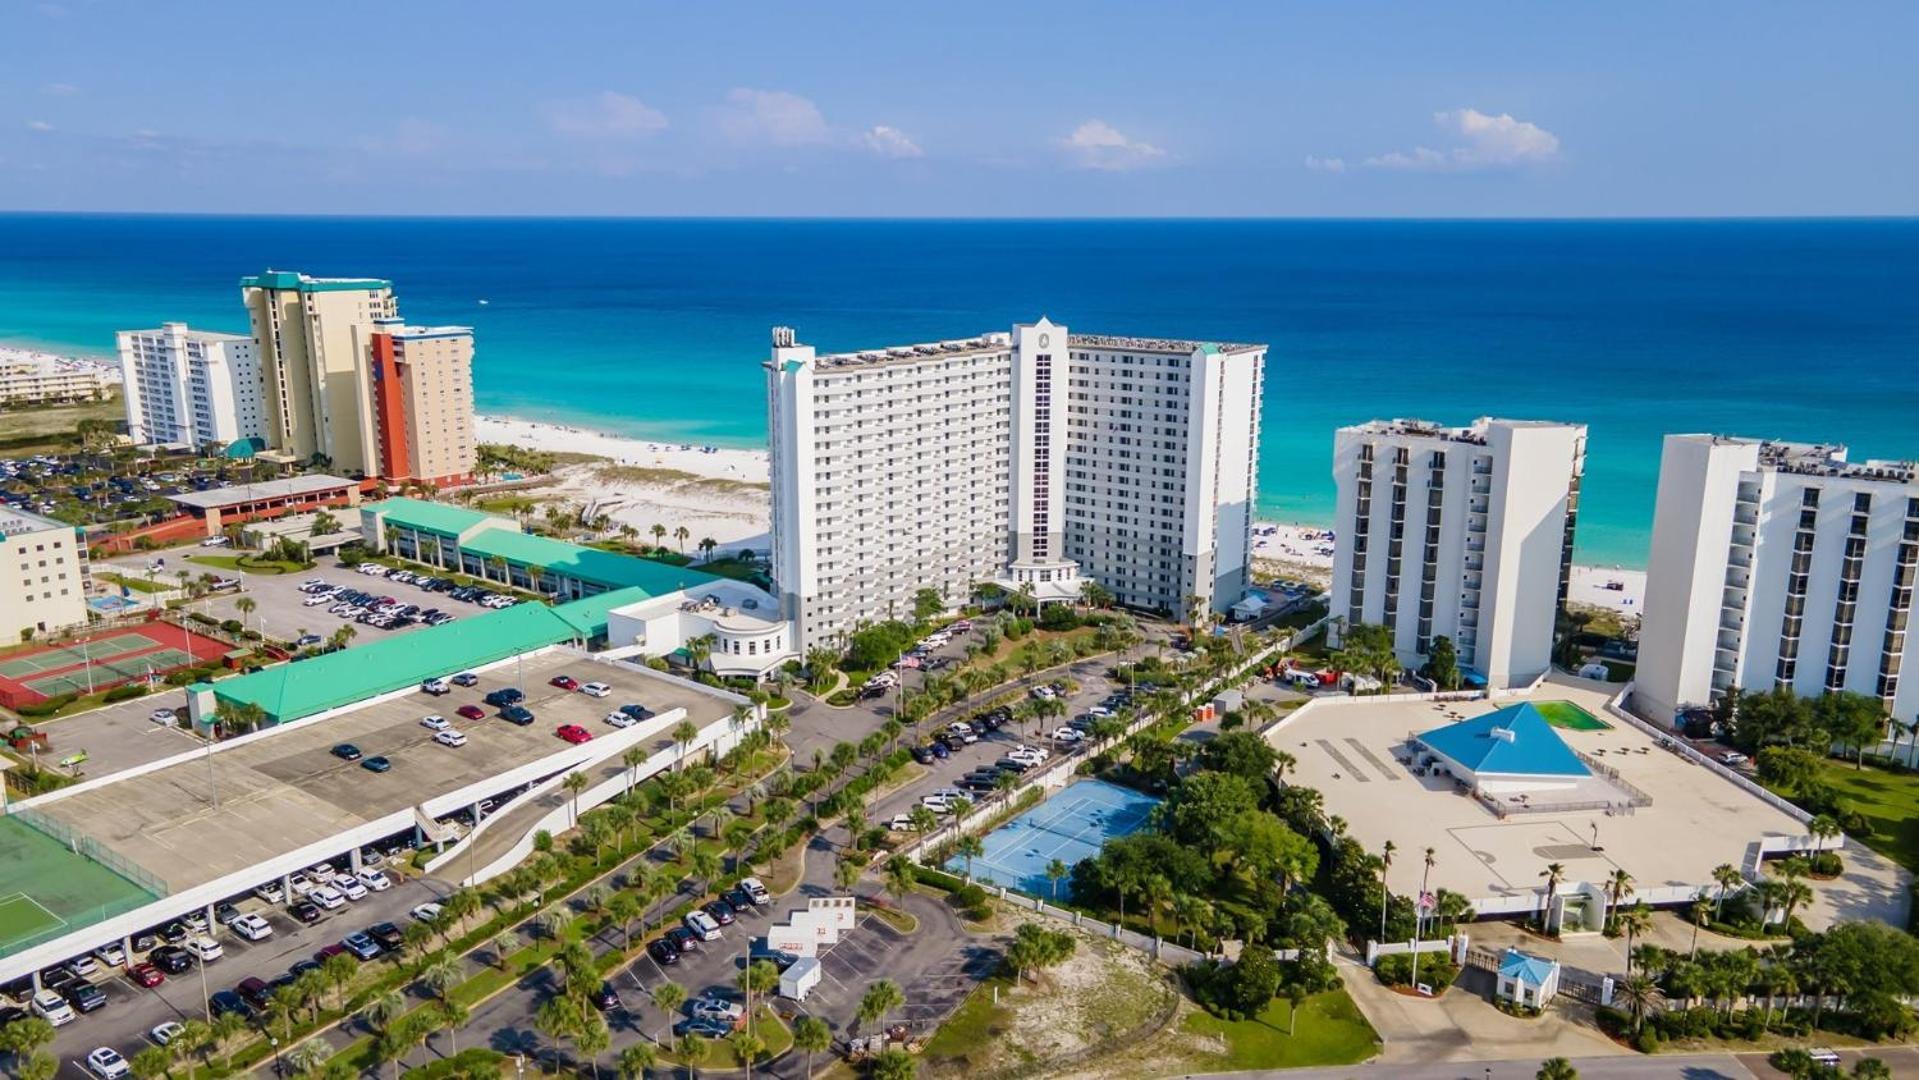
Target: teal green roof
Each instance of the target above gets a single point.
(301, 688)
(288, 279)
(586, 564)
(434, 517)
(588, 615)
(1515, 740)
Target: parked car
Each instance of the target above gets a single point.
(361, 944)
(637, 712)
(564, 682)
(85, 996)
(720, 910)
(426, 912)
(756, 890)
(518, 715)
(226, 1001)
(376, 764)
(165, 1032)
(619, 719)
(252, 927)
(270, 892)
(374, 879)
(504, 696)
(470, 712)
(712, 1006)
(573, 733)
(450, 738)
(106, 1063)
(434, 722)
(387, 934)
(204, 949)
(703, 1027)
(51, 1007)
(663, 952)
(145, 974)
(702, 925)
(349, 886)
(305, 911)
(683, 939)
(346, 751)
(171, 959)
(605, 998)
(437, 687)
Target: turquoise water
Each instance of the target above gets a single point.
(1795, 329)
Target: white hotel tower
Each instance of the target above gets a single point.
(1465, 533)
(1777, 564)
(1037, 458)
(191, 387)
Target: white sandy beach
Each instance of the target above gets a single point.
(738, 516)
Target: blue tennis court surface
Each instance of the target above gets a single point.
(1069, 827)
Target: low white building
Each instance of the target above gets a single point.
(43, 575)
(31, 377)
(741, 624)
(1527, 980)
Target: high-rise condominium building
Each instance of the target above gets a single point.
(43, 575)
(1465, 533)
(1035, 459)
(422, 385)
(191, 387)
(314, 338)
(1777, 565)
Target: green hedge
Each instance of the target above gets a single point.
(1435, 970)
(126, 692)
(48, 707)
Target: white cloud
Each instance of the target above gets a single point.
(1484, 142)
(1097, 144)
(39, 125)
(891, 142)
(606, 115)
(772, 116)
(59, 89)
(1326, 164)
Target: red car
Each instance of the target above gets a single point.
(471, 712)
(147, 975)
(573, 733)
(564, 682)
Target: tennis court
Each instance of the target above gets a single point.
(102, 659)
(46, 888)
(1069, 827)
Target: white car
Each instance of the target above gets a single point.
(436, 722)
(164, 716)
(349, 886)
(205, 948)
(426, 912)
(375, 880)
(52, 1008)
(252, 927)
(703, 925)
(111, 955)
(327, 897)
(936, 803)
(619, 719)
(165, 1032)
(106, 1063)
(450, 738)
(316, 600)
(321, 871)
(900, 823)
(1068, 735)
(270, 892)
(596, 689)
(84, 965)
(436, 686)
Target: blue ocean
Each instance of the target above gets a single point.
(1805, 329)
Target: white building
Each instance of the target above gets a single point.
(43, 575)
(1777, 565)
(1464, 533)
(33, 377)
(741, 624)
(191, 387)
(1032, 459)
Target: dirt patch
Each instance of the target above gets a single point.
(1104, 995)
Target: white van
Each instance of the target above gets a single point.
(52, 1008)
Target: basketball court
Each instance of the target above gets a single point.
(103, 659)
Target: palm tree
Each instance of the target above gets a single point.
(811, 1034)
(668, 997)
(575, 783)
(706, 546)
(246, 606)
(659, 534)
(1557, 1069)
(636, 1059)
(1701, 910)
(1056, 870)
(1727, 877)
(900, 878)
(683, 735)
(880, 998)
(1618, 883)
(1640, 995)
(969, 847)
(1554, 873)
(1823, 827)
(1632, 922)
(681, 535)
(450, 1016)
(1385, 893)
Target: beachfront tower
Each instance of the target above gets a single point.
(1034, 460)
(191, 387)
(1777, 564)
(422, 407)
(314, 337)
(1465, 533)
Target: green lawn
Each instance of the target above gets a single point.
(137, 584)
(969, 1030)
(1330, 1031)
(1889, 800)
(249, 564)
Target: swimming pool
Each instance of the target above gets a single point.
(1069, 827)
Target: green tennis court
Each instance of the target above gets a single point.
(65, 656)
(1565, 714)
(68, 681)
(46, 888)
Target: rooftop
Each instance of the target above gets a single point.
(198, 335)
(1527, 968)
(436, 517)
(1156, 345)
(399, 329)
(1473, 433)
(14, 521)
(587, 564)
(267, 489)
(290, 279)
(998, 342)
(1516, 740)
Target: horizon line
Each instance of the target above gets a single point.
(977, 219)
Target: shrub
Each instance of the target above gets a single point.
(973, 902)
(48, 707)
(1435, 970)
(231, 626)
(126, 692)
(1647, 1041)
(1827, 864)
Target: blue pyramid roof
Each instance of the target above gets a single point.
(1527, 968)
(1515, 739)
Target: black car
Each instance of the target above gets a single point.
(505, 695)
(518, 715)
(376, 764)
(663, 952)
(176, 932)
(84, 996)
(721, 911)
(779, 958)
(10, 1013)
(739, 898)
(990, 722)
(1007, 764)
(171, 959)
(637, 712)
(951, 741)
(226, 1001)
(388, 935)
(306, 911)
(605, 999)
(682, 939)
(923, 755)
(58, 979)
(301, 967)
(346, 751)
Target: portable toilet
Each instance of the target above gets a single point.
(800, 978)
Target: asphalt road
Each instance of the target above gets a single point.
(1903, 1060)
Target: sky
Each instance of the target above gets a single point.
(980, 109)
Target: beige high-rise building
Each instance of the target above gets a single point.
(43, 575)
(314, 338)
(422, 388)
